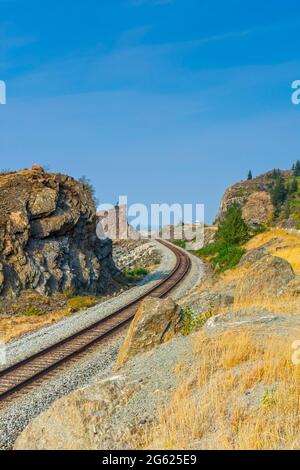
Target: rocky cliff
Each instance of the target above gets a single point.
(48, 239)
(256, 196)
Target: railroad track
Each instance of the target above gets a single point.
(19, 377)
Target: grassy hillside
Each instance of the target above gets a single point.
(241, 394)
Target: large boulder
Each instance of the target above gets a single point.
(268, 277)
(155, 322)
(48, 239)
(80, 420)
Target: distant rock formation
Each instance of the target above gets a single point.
(256, 197)
(48, 239)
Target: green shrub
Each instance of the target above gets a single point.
(221, 255)
(228, 257)
(209, 250)
(136, 273)
(226, 251)
(233, 230)
(180, 243)
(257, 230)
(33, 312)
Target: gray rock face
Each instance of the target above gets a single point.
(48, 236)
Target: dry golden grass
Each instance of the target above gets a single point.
(284, 305)
(285, 245)
(210, 408)
(81, 302)
(15, 326)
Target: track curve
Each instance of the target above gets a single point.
(26, 372)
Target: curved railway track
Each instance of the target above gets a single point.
(18, 377)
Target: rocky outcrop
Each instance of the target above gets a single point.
(48, 239)
(251, 317)
(154, 323)
(268, 277)
(253, 196)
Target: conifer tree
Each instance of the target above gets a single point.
(296, 168)
(293, 186)
(250, 175)
(278, 194)
(233, 230)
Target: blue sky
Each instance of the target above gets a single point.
(161, 100)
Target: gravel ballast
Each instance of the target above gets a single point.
(99, 362)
